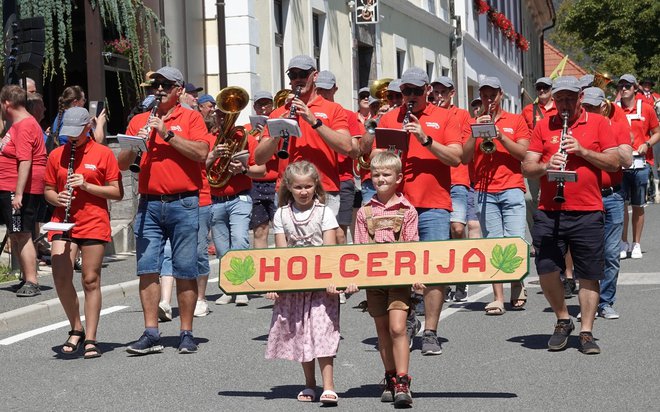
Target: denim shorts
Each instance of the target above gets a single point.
(459, 204)
(230, 224)
(157, 221)
(471, 206)
(264, 203)
(203, 267)
(634, 185)
(502, 214)
(332, 201)
(433, 224)
(346, 197)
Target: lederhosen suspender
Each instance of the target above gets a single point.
(374, 223)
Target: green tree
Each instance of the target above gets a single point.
(611, 36)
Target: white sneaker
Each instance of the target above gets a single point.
(201, 309)
(224, 299)
(342, 297)
(636, 251)
(625, 248)
(241, 300)
(164, 312)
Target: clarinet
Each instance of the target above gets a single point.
(69, 188)
(559, 197)
(406, 118)
(283, 153)
(135, 167)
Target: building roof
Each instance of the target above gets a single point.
(552, 57)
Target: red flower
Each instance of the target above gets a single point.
(482, 6)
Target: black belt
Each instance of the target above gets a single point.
(170, 198)
(219, 199)
(610, 190)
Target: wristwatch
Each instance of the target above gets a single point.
(427, 142)
(168, 136)
(317, 124)
(244, 171)
(648, 144)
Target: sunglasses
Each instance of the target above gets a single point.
(542, 87)
(164, 86)
(393, 95)
(625, 86)
(363, 96)
(298, 74)
(417, 91)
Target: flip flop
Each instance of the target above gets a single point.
(495, 308)
(307, 395)
(518, 294)
(329, 397)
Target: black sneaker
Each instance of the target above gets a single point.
(431, 344)
(418, 301)
(461, 293)
(402, 395)
(145, 345)
(388, 388)
(588, 345)
(413, 326)
(568, 291)
(559, 338)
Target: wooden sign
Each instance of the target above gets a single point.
(374, 265)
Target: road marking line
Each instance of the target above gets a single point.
(54, 326)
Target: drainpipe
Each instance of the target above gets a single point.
(222, 43)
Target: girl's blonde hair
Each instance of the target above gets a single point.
(301, 168)
(386, 160)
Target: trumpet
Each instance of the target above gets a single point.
(559, 197)
(283, 153)
(487, 146)
(135, 167)
(69, 188)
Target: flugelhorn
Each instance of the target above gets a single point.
(135, 167)
(559, 197)
(487, 146)
(231, 101)
(283, 153)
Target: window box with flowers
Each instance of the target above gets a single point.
(116, 54)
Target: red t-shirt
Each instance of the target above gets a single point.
(164, 169)
(460, 174)
(24, 141)
(98, 166)
(541, 112)
(641, 122)
(621, 132)
(238, 183)
(426, 180)
(346, 163)
(311, 146)
(593, 131)
(499, 171)
(272, 165)
(205, 191)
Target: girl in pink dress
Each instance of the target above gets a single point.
(305, 325)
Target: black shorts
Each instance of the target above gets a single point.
(28, 216)
(263, 203)
(82, 242)
(346, 197)
(583, 232)
(357, 201)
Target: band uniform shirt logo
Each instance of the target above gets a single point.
(176, 128)
(554, 140)
(90, 167)
(433, 125)
(321, 115)
(507, 129)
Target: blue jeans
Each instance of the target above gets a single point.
(459, 204)
(613, 230)
(634, 185)
(502, 214)
(156, 222)
(433, 224)
(230, 224)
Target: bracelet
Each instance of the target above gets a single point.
(428, 142)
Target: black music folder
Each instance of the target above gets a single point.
(392, 139)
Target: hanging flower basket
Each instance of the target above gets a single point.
(502, 23)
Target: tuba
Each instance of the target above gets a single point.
(280, 98)
(602, 80)
(231, 101)
(378, 89)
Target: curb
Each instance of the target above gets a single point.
(52, 309)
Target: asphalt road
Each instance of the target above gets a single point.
(488, 363)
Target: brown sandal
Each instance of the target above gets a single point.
(93, 352)
(74, 346)
(518, 294)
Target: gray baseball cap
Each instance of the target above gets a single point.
(394, 86)
(74, 121)
(363, 90)
(543, 80)
(445, 81)
(628, 78)
(586, 81)
(414, 76)
(373, 100)
(492, 82)
(262, 94)
(325, 80)
(594, 96)
(302, 62)
(170, 73)
(569, 83)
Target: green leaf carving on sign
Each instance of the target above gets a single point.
(505, 259)
(241, 271)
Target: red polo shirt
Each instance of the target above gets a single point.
(356, 129)
(238, 183)
(641, 125)
(23, 141)
(650, 99)
(593, 131)
(311, 146)
(499, 170)
(164, 169)
(541, 112)
(98, 166)
(460, 174)
(621, 132)
(426, 180)
(271, 166)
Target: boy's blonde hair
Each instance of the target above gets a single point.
(299, 169)
(386, 160)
